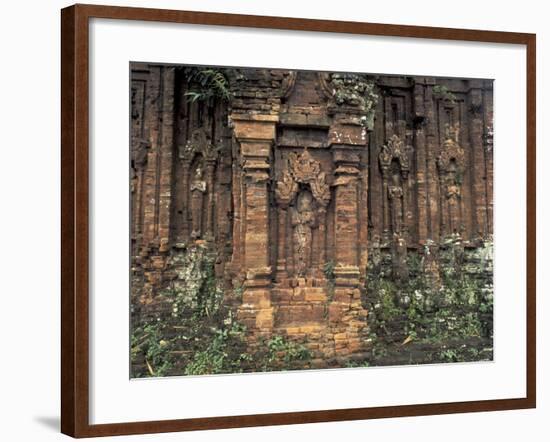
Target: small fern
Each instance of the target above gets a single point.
(207, 84)
(444, 93)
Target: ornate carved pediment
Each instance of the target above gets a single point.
(394, 149)
(302, 168)
(198, 143)
(451, 150)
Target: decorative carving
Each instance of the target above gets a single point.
(453, 192)
(198, 143)
(302, 168)
(286, 188)
(303, 220)
(320, 189)
(451, 150)
(300, 210)
(395, 165)
(197, 189)
(395, 194)
(200, 154)
(451, 168)
(394, 149)
(288, 83)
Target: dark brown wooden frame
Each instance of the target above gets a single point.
(74, 220)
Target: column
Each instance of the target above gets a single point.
(479, 201)
(419, 142)
(346, 216)
(255, 135)
(157, 178)
(166, 148)
(431, 178)
(488, 150)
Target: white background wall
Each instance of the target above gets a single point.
(29, 221)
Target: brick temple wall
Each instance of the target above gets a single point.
(294, 178)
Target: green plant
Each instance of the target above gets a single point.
(328, 270)
(443, 93)
(387, 294)
(223, 354)
(357, 364)
(282, 354)
(414, 263)
(238, 291)
(207, 84)
(194, 327)
(148, 341)
(449, 355)
(356, 90)
(197, 334)
(195, 288)
(446, 318)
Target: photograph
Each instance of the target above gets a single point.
(275, 221)
(296, 219)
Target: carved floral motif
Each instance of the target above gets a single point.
(286, 188)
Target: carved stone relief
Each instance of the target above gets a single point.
(395, 165)
(451, 169)
(199, 158)
(310, 192)
(198, 190)
(304, 189)
(304, 221)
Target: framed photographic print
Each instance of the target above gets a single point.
(276, 220)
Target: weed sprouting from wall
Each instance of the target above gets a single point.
(446, 319)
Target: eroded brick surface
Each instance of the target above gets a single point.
(293, 180)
